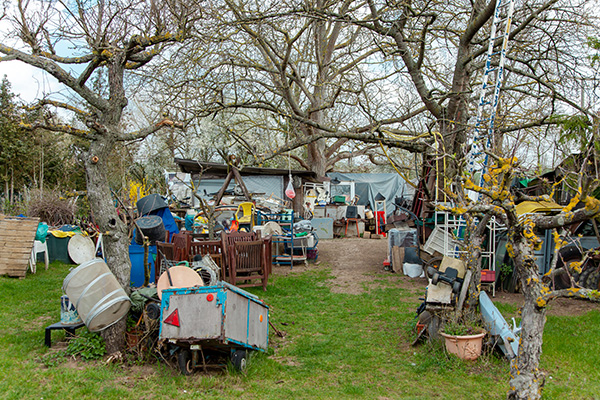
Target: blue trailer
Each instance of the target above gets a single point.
(203, 320)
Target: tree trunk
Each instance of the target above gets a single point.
(116, 239)
(526, 379)
(316, 157)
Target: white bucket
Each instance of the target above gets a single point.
(98, 297)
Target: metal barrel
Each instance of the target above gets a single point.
(98, 297)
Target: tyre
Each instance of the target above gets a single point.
(431, 267)
(153, 310)
(456, 286)
(184, 359)
(566, 256)
(435, 279)
(584, 277)
(592, 280)
(239, 359)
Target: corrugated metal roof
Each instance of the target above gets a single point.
(216, 169)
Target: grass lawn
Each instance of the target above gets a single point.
(337, 346)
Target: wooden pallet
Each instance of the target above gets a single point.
(16, 242)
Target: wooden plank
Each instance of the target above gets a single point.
(13, 248)
(17, 237)
(16, 232)
(16, 259)
(18, 272)
(14, 226)
(11, 271)
(397, 258)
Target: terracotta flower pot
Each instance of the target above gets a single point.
(133, 337)
(467, 347)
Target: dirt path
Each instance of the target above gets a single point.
(356, 263)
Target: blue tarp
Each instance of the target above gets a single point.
(168, 222)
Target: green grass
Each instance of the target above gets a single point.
(336, 346)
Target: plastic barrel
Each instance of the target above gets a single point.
(136, 256)
(98, 297)
(150, 203)
(151, 226)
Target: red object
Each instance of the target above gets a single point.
(488, 276)
(386, 263)
(380, 215)
(173, 319)
(210, 297)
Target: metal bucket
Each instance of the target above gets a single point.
(98, 297)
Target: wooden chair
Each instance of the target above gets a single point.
(247, 263)
(228, 241)
(165, 253)
(212, 247)
(182, 242)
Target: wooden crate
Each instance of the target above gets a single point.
(16, 242)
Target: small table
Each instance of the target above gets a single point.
(59, 325)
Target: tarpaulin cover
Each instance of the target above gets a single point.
(367, 185)
(168, 222)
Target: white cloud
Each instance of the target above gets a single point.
(28, 82)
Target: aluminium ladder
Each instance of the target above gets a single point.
(477, 158)
(489, 96)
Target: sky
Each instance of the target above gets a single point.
(28, 82)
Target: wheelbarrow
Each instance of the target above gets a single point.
(204, 323)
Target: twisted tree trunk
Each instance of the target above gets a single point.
(526, 380)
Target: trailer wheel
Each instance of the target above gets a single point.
(184, 359)
(239, 360)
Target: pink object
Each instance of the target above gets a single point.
(467, 347)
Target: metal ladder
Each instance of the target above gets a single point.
(490, 91)
(477, 159)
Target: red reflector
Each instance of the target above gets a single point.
(210, 297)
(173, 319)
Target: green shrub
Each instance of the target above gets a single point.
(87, 345)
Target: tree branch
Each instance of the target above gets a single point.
(142, 133)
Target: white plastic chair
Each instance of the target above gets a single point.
(38, 247)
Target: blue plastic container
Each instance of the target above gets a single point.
(136, 255)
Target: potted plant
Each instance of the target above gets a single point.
(463, 339)
(133, 333)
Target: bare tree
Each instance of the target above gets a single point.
(76, 40)
(285, 79)
(440, 49)
(526, 379)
